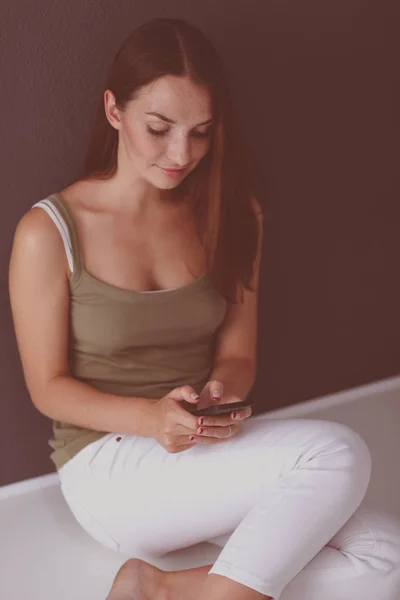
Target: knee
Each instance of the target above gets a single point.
(352, 453)
(357, 448)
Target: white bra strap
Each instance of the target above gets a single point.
(59, 222)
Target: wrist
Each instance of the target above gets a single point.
(153, 419)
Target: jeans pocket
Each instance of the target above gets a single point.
(89, 523)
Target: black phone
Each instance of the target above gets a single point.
(217, 409)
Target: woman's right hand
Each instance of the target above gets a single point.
(174, 424)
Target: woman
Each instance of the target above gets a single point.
(129, 278)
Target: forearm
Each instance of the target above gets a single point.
(69, 400)
(237, 375)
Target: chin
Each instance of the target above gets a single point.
(166, 183)
(166, 186)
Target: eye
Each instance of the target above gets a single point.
(202, 135)
(195, 133)
(155, 132)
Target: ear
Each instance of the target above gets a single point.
(112, 113)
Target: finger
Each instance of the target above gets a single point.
(207, 440)
(220, 421)
(216, 390)
(185, 421)
(184, 392)
(225, 420)
(181, 447)
(189, 394)
(184, 442)
(181, 429)
(216, 432)
(246, 412)
(241, 414)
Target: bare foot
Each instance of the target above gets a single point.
(138, 580)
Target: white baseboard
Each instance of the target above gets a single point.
(293, 411)
(28, 485)
(322, 402)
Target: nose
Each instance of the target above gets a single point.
(179, 153)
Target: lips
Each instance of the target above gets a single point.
(172, 170)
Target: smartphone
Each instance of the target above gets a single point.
(217, 409)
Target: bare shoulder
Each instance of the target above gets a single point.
(36, 238)
(37, 228)
(36, 231)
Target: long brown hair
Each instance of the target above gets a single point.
(221, 187)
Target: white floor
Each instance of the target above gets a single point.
(46, 555)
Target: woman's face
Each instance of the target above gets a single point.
(178, 137)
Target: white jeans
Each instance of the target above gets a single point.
(281, 499)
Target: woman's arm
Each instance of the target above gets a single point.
(66, 399)
(39, 295)
(237, 376)
(235, 360)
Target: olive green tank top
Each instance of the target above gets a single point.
(131, 343)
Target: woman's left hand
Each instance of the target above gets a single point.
(215, 429)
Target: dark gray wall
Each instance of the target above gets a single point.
(318, 93)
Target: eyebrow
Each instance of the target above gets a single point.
(164, 118)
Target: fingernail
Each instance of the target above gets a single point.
(194, 396)
(216, 396)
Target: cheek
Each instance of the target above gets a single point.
(144, 146)
(150, 148)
